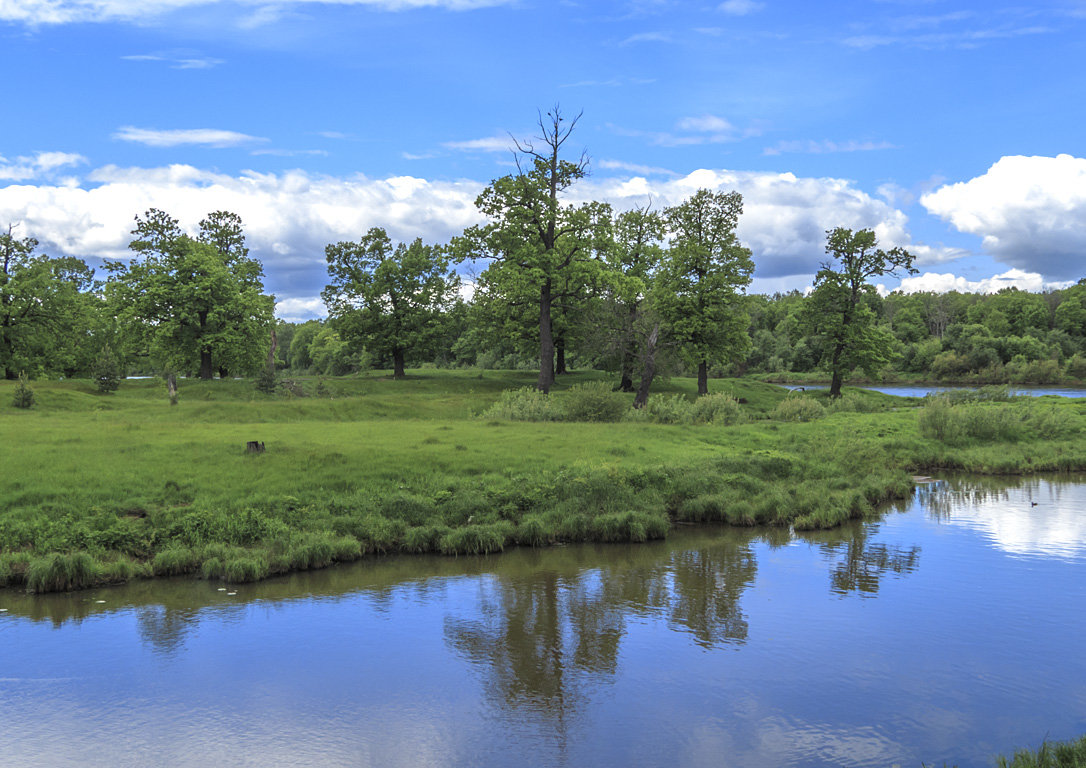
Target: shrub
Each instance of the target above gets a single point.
(23, 397)
(107, 371)
(525, 404)
(798, 408)
(950, 422)
(717, 408)
(675, 409)
(595, 401)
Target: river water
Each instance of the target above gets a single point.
(928, 389)
(951, 629)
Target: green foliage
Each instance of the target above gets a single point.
(716, 408)
(46, 308)
(594, 401)
(198, 304)
(60, 573)
(107, 371)
(701, 278)
(267, 382)
(387, 299)
(956, 423)
(1068, 754)
(23, 396)
(525, 404)
(798, 407)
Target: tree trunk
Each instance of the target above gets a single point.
(838, 378)
(703, 378)
(546, 340)
(206, 370)
(560, 354)
(397, 364)
(648, 372)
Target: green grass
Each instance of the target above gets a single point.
(1070, 754)
(141, 488)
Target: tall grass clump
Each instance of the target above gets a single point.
(174, 561)
(595, 401)
(60, 573)
(851, 402)
(524, 404)
(798, 408)
(1067, 754)
(476, 539)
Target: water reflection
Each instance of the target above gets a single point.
(858, 562)
(717, 644)
(1035, 517)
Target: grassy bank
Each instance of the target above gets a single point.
(107, 488)
(1051, 754)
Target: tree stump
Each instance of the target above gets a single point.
(254, 446)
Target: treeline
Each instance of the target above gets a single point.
(642, 293)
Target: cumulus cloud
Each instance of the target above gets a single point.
(175, 137)
(39, 12)
(1030, 212)
(289, 217)
(300, 308)
(784, 219)
(934, 282)
(41, 164)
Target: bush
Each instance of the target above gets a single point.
(669, 410)
(525, 404)
(798, 408)
(595, 401)
(949, 422)
(23, 397)
(175, 561)
(107, 371)
(717, 408)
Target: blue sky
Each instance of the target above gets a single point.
(955, 129)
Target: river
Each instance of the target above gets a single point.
(951, 629)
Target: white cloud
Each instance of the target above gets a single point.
(740, 7)
(705, 124)
(42, 12)
(211, 137)
(488, 144)
(289, 217)
(641, 170)
(1030, 212)
(933, 282)
(785, 217)
(178, 61)
(41, 164)
(825, 147)
(648, 37)
(300, 309)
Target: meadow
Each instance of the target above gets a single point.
(105, 488)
